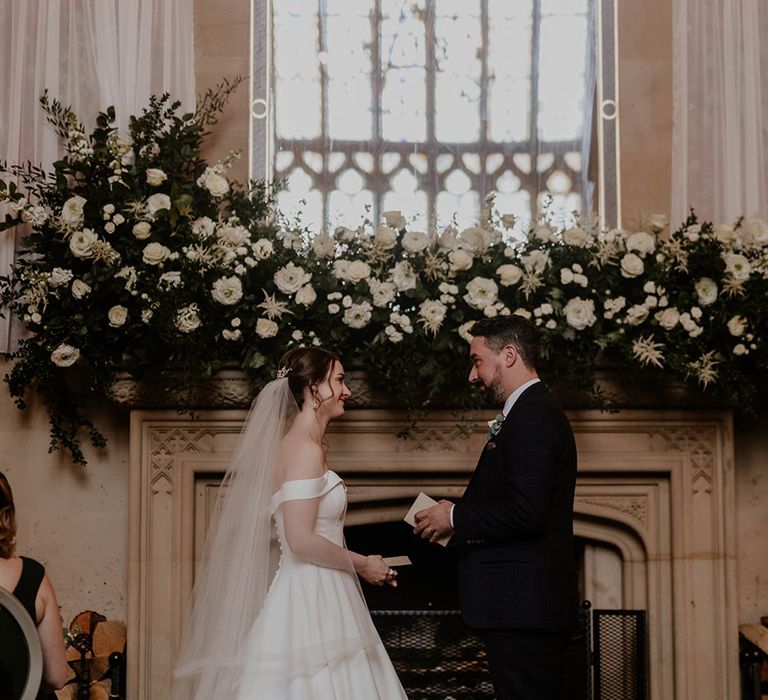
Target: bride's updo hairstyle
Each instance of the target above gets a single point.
(306, 367)
(7, 519)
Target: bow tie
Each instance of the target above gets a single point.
(494, 426)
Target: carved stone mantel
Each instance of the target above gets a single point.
(657, 485)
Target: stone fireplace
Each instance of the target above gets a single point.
(654, 509)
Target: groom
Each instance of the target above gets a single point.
(513, 527)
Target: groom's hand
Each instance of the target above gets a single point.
(434, 523)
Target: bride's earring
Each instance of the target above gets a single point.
(315, 403)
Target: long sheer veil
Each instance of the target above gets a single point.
(234, 577)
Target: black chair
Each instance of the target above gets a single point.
(27, 632)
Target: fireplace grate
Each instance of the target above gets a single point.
(619, 655)
(435, 654)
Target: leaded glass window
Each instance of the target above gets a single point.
(427, 106)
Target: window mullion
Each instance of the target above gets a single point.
(326, 186)
(431, 145)
(376, 179)
(533, 185)
(482, 147)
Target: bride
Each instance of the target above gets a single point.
(305, 632)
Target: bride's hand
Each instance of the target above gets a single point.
(376, 572)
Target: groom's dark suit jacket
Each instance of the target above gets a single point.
(514, 524)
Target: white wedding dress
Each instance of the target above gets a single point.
(314, 638)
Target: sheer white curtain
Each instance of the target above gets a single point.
(90, 54)
(720, 100)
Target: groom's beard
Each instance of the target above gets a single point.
(494, 392)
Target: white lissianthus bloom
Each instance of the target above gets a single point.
(613, 305)
(580, 313)
(641, 242)
(724, 234)
(636, 314)
(188, 318)
(481, 292)
(306, 296)
(668, 318)
(737, 325)
(706, 291)
(72, 211)
(459, 259)
(740, 349)
(157, 202)
(155, 177)
(404, 276)
(262, 249)
(463, 330)
(551, 324)
(117, 316)
(393, 335)
(340, 269)
(333, 308)
(415, 241)
(227, 290)
(657, 222)
(232, 335)
(631, 266)
(737, 266)
(58, 277)
(523, 312)
(65, 355)
(382, 293)
(155, 253)
(345, 234)
(266, 328)
(448, 239)
(81, 243)
(213, 181)
(170, 279)
(576, 236)
(475, 239)
(432, 314)
(536, 261)
(130, 276)
(566, 275)
(509, 274)
(291, 278)
(80, 289)
(394, 219)
(358, 315)
(146, 315)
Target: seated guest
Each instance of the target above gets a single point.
(26, 580)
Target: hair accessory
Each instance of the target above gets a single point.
(282, 373)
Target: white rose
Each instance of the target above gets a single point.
(345, 234)
(509, 274)
(448, 240)
(581, 280)
(291, 278)
(156, 203)
(566, 275)
(357, 271)
(687, 322)
(403, 276)
(80, 289)
(155, 254)
(668, 318)
(81, 243)
(65, 355)
(117, 316)
(188, 318)
(641, 242)
(463, 330)
(203, 227)
(737, 266)
(481, 292)
(340, 269)
(227, 290)
(232, 235)
(636, 314)
(394, 219)
(706, 291)
(475, 239)
(656, 222)
(141, 230)
(543, 232)
(266, 328)
(215, 183)
(155, 177)
(740, 349)
(576, 236)
(306, 296)
(262, 249)
(109, 227)
(755, 230)
(631, 266)
(415, 242)
(72, 211)
(358, 315)
(382, 293)
(723, 233)
(333, 308)
(459, 259)
(579, 313)
(536, 261)
(737, 325)
(385, 237)
(394, 335)
(323, 245)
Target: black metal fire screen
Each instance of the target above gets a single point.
(435, 654)
(619, 655)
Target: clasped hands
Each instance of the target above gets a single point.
(434, 523)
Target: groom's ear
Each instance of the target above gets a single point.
(509, 355)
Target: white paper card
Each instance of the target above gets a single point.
(422, 502)
(402, 560)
